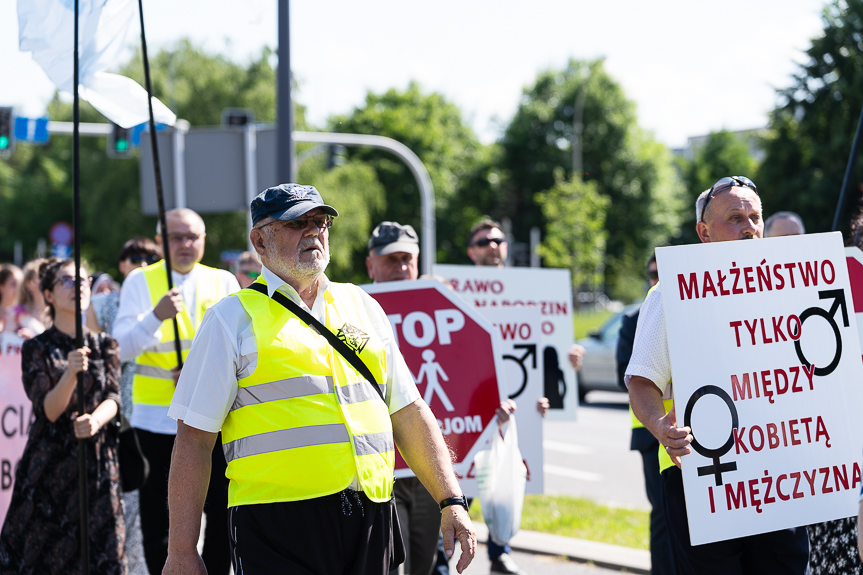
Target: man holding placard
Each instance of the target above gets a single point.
(728, 211)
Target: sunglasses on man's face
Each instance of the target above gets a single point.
(252, 275)
(136, 259)
(653, 274)
(727, 183)
(485, 242)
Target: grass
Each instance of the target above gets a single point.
(581, 518)
(584, 322)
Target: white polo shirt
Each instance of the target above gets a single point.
(650, 358)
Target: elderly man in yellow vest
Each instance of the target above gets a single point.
(305, 380)
(145, 333)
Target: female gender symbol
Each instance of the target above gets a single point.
(717, 468)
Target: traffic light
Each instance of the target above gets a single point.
(7, 132)
(336, 155)
(237, 117)
(120, 142)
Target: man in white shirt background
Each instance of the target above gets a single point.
(144, 330)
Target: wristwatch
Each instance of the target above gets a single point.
(459, 500)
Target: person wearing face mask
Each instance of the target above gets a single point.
(145, 332)
(136, 253)
(41, 530)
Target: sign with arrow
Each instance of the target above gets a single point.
(766, 368)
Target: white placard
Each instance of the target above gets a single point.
(767, 372)
(15, 417)
(546, 291)
(522, 371)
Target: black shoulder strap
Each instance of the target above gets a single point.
(340, 346)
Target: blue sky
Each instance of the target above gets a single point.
(691, 67)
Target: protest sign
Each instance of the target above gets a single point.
(766, 369)
(15, 417)
(546, 291)
(519, 331)
(454, 356)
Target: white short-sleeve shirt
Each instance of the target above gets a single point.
(137, 328)
(650, 358)
(225, 350)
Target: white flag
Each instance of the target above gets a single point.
(45, 28)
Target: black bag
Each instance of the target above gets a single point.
(134, 467)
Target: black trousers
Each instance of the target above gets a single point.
(419, 519)
(784, 552)
(340, 534)
(157, 448)
(661, 556)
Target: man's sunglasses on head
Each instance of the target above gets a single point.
(485, 242)
(727, 183)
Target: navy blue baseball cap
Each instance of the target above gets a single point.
(287, 202)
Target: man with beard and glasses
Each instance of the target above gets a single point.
(306, 382)
(728, 211)
(145, 332)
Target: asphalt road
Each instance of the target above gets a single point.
(590, 457)
(533, 565)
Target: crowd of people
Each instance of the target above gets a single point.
(251, 417)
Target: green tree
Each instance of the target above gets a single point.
(723, 154)
(629, 167)
(36, 183)
(458, 164)
(811, 130)
(575, 234)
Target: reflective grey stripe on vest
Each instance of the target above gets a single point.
(286, 439)
(153, 371)
(282, 389)
(168, 346)
(374, 443)
(357, 392)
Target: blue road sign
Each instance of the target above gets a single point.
(139, 129)
(33, 130)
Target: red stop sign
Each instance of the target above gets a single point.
(451, 352)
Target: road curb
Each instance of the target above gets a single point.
(600, 554)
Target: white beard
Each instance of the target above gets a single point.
(292, 267)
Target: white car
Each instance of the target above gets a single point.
(599, 365)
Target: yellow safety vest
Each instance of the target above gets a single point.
(306, 422)
(154, 383)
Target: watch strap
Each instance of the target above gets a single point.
(459, 500)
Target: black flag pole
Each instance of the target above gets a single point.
(158, 174)
(79, 328)
(840, 207)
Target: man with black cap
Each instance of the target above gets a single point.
(393, 256)
(304, 378)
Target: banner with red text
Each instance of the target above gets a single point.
(15, 416)
(766, 368)
(548, 292)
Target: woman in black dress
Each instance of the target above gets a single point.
(41, 532)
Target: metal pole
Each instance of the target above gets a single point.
(284, 106)
(180, 129)
(83, 499)
(840, 208)
(166, 252)
(251, 153)
(414, 164)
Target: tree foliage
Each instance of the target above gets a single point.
(36, 183)
(723, 154)
(812, 129)
(457, 162)
(575, 234)
(629, 168)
